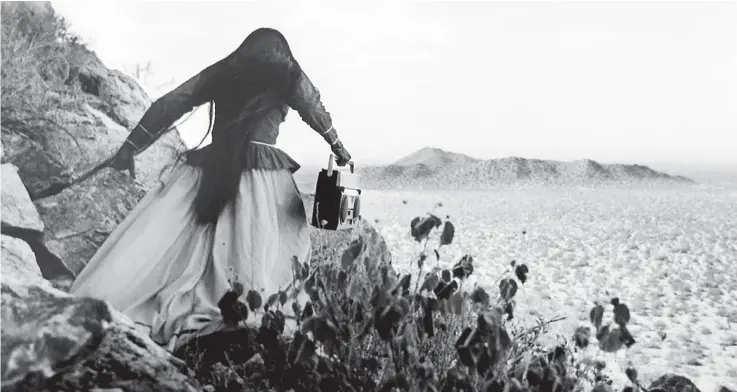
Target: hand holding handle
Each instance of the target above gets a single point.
(342, 155)
(333, 160)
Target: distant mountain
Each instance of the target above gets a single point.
(433, 168)
(435, 157)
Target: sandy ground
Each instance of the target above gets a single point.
(669, 254)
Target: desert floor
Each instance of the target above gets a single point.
(669, 253)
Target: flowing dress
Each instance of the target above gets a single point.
(166, 271)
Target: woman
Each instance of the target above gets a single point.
(233, 211)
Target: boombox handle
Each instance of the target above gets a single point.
(332, 161)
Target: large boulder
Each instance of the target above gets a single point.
(96, 109)
(52, 341)
(18, 262)
(68, 140)
(17, 208)
(75, 118)
(20, 219)
(329, 244)
(80, 218)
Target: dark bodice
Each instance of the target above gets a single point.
(259, 151)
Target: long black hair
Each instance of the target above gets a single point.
(246, 85)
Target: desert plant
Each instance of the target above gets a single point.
(365, 327)
(36, 48)
(146, 76)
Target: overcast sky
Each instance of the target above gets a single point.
(613, 82)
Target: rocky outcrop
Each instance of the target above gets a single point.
(17, 208)
(74, 136)
(20, 219)
(18, 262)
(81, 217)
(52, 341)
(329, 244)
(77, 117)
(81, 117)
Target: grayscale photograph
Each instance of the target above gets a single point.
(374, 195)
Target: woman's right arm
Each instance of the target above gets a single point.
(306, 101)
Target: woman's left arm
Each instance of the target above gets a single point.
(158, 119)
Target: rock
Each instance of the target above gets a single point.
(81, 117)
(20, 219)
(127, 359)
(81, 217)
(69, 141)
(63, 284)
(17, 208)
(329, 244)
(52, 267)
(673, 383)
(81, 343)
(52, 341)
(602, 387)
(377, 247)
(42, 333)
(18, 262)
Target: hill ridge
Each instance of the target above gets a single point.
(431, 167)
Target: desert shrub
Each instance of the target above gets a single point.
(37, 49)
(362, 327)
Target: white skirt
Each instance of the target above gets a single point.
(167, 272)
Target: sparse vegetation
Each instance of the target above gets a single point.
(37, 54)
(144, 73)
(364, 328)
(38, 57)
